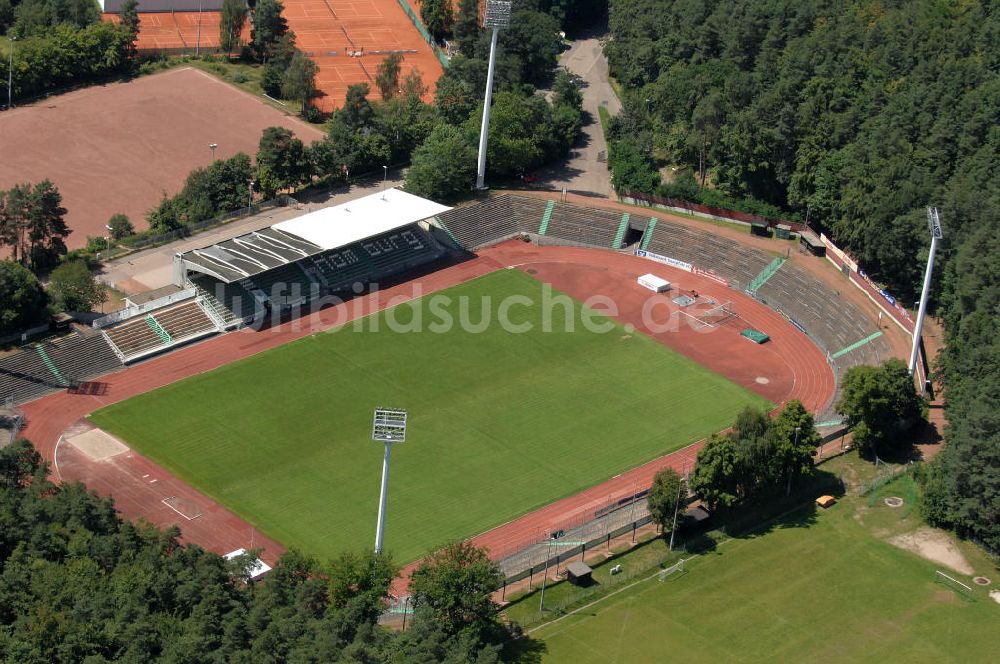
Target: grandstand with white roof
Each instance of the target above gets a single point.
(336, 249)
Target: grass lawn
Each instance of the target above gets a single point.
(815, 587)
(500, 423)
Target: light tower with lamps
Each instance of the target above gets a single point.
(934, 223)
(497, 16)
(10, 74)
(388, 427)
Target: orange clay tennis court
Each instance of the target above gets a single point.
(178, 31)
(349, 39)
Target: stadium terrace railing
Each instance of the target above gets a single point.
(863, 282)
(145, 307)
(583, 533)
(707, 211)
(418, 24)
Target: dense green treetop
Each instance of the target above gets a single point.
(22, 300)
(74, 288)
(666, 496)
(861, 113)
(77, 583)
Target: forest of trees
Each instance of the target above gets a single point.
(855, 115)
(60, 43)
(79, 584)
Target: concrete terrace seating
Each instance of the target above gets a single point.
(340, 268)
(583, 226)
(726, 258)
(833, 323)
(25, 376)
(378, 257)
(527, 212)
(81, 357)
(284, 286)
(397, 251)
(186, 321)
(135, 337)
(494, 219)
(157, 331)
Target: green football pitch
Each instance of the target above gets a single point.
(500, 423)
(815, 588)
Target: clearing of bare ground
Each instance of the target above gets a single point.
(119, 147)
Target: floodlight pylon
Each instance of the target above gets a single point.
(388, 427)
(934, 224)
(497, 17)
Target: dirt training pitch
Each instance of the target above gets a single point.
(118, 147)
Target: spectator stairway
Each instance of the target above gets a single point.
(158, 331)
(574, 225)
(230, 303)
(39, 369)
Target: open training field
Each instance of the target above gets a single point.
(348, 39)
(118, 147)
(500, 422)
(816, 587)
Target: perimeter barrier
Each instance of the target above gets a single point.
(418, 24)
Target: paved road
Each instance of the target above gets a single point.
(583, 173)
(153, 268)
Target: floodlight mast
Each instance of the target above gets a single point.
(934, 223)
(388, 427)
(497, 16)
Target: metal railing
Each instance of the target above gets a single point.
(145, 307)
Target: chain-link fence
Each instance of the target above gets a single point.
(587, 533)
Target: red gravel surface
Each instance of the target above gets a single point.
(349, 39)
(119, 147)
(790, 366)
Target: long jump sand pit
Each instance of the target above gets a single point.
(118, 147)
(97, 444)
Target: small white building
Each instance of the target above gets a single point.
(654, 283)
(257, 570)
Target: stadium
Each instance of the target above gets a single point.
(237, 401)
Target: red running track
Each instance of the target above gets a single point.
(789, 366)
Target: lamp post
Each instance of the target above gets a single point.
(545, 574)
(10, 74)
(385, 180)
(677, 505)
(388, 427)
(250, 197)
(788, 489)
(212, 146)
(197, 48)
(934, 223)
(497, 16)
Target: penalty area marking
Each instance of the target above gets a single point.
(176, 504)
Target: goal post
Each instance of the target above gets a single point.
(964, 591)
(673, 572)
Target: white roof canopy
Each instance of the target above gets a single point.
(361, 218)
